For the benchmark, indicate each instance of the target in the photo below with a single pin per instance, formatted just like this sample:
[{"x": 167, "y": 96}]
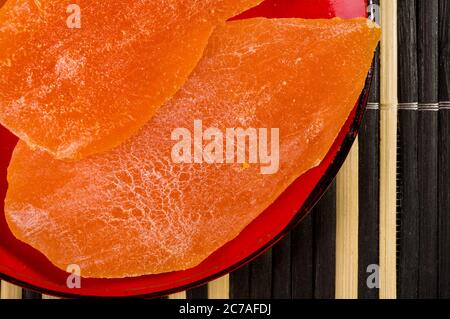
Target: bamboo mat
[{"x": 383, "y": 228}]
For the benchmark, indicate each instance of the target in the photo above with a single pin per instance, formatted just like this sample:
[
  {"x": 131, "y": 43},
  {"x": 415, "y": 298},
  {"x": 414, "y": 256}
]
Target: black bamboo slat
[
  {"x": 324, "y": 245},
  {"x": 369, "y": 155},
  {"x": 444, "y": 149},
  {"x": 281, "y": 269},
  {"x": 28, "y": 294},
  {"x": 302, "y": 260},
  {"x": 368, "y": 179},
  {"x": 428, "y": 146},
  {"x": 198, "y": 293},
  {"x": 240, "y": 283},
  {"x": 261, "y": 277},
  {"x": 408, "y": 263}
]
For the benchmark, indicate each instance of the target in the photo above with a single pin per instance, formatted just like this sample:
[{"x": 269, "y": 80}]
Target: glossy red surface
[{"x": 25, "y": 266}]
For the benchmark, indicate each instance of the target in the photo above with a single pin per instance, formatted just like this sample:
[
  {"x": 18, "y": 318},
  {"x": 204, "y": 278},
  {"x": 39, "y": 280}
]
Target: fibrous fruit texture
[
  {"x": 79, "y": 79},
  {"x": 136, "y": 210}
]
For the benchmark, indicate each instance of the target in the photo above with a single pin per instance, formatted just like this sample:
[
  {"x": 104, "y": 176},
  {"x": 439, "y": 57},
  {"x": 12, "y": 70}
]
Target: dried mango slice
[
  {"x": 79, "y": 79},
  {"x": 135, "y": 211}
]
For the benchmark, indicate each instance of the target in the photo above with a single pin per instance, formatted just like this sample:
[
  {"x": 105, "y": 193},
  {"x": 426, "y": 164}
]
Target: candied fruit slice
[
  {"x": 134, "y": 211},
  {"x": 80, "y": 80}
]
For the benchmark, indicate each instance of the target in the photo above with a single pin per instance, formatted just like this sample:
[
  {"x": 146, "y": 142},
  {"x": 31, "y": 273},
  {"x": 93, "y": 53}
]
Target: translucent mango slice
[
  {"x": 79, "y": 79},
  {"x": 136, "y": 211}
]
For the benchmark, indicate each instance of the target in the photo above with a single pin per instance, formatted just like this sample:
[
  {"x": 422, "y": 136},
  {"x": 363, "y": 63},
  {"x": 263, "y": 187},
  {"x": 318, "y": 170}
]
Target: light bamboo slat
[
  {"x": 49, "y": 297},
  {"x": 347, "y": 228},
  {"x": 220, "y": 288},
  {"x": 180, "y": 295},
  {"x": 388, "y": 148},
  {"x": 9, "y": 291}
]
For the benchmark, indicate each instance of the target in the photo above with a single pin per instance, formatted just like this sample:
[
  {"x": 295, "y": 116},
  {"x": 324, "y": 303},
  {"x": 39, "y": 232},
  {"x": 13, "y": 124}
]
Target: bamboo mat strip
[
  {"x": 368, "y": 180},
  {"x": 198, "y": 293},
  {"x": 28, "y": 294},
  {"x": 240, "y": 283},
  {"x": 219, "y": 288},
  {"x": 302, "y": 254},
  {"x": 9, "y": 291},
  {"x": 179, "y": 295},
  {"x": 48, "y": 297},
  {"x": 444, "y": 204},
  {"x": 281, "y": 269},
  {"x": 427, "y": 40},
  {"x": 408, "y": 188},
  {"x": 444, "y": 149},
  {"x": 369, "y": 157},
  {"x": 324, "y": 245},
  {"x": 347, "y": 228},
  {"x": 388, "y": 148},
  {"x": 261, "y": 277}
]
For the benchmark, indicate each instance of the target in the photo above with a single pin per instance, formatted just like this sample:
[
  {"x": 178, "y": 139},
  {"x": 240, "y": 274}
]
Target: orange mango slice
[
  {"x": 79, "y": 79},
  {"x": 137, "y": 210}
]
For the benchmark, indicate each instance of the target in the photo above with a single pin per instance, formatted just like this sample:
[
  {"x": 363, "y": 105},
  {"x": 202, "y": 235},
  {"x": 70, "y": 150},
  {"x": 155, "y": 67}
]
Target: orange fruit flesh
[
  {"x": 76, "y": 92},
  {"x": 133, "y": 211}
]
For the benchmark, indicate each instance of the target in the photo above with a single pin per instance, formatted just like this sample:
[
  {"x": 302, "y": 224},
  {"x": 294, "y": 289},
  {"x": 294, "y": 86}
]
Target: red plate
[{"x": 24, "y": 266}]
